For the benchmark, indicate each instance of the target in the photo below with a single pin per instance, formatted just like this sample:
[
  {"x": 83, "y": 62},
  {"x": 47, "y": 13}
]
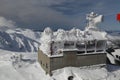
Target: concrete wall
[
  {"x": 56, "y": 63},
  {"x": 91, "y": 59},
  {"x": 44, "y": 60},
  {"x": 70, "y": 58}
]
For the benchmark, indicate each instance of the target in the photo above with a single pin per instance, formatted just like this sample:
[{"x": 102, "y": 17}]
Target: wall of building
[
  {"x": 70, "y": 58},
  {"x": 91, "y": 59},
  {"x": 44, "y": 60},
  {"x": 56, "y": 63}
]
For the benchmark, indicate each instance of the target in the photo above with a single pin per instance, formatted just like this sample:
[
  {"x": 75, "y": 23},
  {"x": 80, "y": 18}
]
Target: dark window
[
  {"x": 68, "y": 44},
  {"x": 91, "y": 42},
  {"x": 100, "y": 44},
  {"x": 117, "y": 56},
  {"x": 80, "y": 52},
  {"x": 90, "y": 51},
  {"x": 80, "y": 46},
  {"x": 99, "y": 50}
]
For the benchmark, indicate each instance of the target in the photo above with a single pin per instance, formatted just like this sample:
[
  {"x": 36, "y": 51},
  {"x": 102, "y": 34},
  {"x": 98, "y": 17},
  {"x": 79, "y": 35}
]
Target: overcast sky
[{"x": 38, "y": 14}]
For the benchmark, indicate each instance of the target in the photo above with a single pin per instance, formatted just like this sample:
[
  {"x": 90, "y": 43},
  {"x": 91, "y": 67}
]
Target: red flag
[{"x": 118, "y": 17}]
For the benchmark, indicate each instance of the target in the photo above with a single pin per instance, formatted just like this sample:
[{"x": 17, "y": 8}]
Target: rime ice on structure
[
  {"x": 91, "y": 40},
  {"x": 93, "y": 20}
]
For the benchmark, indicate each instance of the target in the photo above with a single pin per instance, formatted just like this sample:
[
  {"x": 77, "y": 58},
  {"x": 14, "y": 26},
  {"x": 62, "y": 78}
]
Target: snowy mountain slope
[
  {"x": 20, "y": 40},
  {"x": 33, "y": 71},
  {"x": 26, "y": 32}
]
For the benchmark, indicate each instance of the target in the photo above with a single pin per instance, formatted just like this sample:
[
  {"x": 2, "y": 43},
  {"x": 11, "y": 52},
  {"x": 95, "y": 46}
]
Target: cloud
[
  {"x": 73, "y": 7},
  {"x": 4, "y": 23},
  {"x": 38, "y": 14},
  {"x": 33, "y": 13}
]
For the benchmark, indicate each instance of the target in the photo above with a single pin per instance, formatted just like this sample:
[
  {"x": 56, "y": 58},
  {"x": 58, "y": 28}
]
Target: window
[
  {"x": 80, "y": 45},
  {"x": 90, "y": 45},
  {"x": 100, "y": 44},
  {"x": 117, "y": 56},
  {"x": 90, "y": 51},
  {"x": 80, "y": 52},
  {"x": 68, "y": 44},
  {"x": 99, "y": 50}
]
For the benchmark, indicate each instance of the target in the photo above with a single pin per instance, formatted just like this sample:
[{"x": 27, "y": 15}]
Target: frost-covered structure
[
  {"x": 73, "y": 47},
  {"x": 93, "y": 19},
  {"x": 90, "y": 40}
]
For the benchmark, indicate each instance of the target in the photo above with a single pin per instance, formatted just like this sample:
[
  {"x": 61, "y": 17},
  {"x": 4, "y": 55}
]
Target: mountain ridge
[{"x": 20, "y": 40}]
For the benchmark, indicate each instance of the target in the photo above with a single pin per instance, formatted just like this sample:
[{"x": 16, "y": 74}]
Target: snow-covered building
[{"x": 73, "y": 47}]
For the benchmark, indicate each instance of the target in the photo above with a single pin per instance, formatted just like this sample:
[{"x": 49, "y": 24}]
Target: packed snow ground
[{"x": 30, "y": 69}]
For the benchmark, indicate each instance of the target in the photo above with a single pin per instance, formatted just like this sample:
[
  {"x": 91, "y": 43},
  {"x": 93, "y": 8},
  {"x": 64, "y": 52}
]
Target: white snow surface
[{"x": 33, "y": 71}]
